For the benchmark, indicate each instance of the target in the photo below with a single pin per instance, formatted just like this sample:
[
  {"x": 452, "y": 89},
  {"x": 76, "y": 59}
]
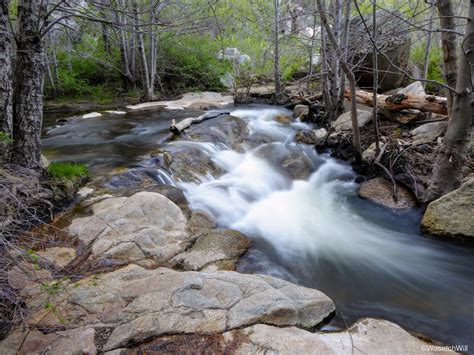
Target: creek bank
[
  {"x": 126, "y": 307},
  {"x": 133, "y": 295}
]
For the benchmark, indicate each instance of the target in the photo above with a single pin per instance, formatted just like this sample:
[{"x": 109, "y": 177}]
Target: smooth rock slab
[
  {"x": 213, "y": 247},
  {"x": 367, "y": 336},
  {"x": 140, "y": 303},
  {"x": 146, "y": 228},
  {"x": 452, "y": 214},
  {"x": 92, "y": 115},
  {"x": 58, "y": 256},
  {"x": 344, "y": 121},
  {"x": 74, "y": 341},
  {"x": 191, "y": 101},
  {"x": 428, "y": 132}
]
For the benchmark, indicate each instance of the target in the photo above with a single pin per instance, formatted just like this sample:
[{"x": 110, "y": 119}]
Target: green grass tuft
[
  {"x": 64, "y": 170},
  {"x": 6, "y": 137}
]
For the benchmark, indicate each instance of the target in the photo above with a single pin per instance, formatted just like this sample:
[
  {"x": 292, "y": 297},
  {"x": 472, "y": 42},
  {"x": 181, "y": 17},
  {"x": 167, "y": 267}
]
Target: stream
[{"x": 315, "y": 231}]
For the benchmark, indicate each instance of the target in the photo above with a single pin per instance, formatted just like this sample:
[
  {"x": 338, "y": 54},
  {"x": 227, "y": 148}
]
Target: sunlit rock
[{"x": 452, "y": 214}]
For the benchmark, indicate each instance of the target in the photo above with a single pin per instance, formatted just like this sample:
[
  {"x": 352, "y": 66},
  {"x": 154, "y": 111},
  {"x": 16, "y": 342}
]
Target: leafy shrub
[
  {"x": 65, "y": 170},
  {"x": 190, "y": 63},
  {"x": 6, "y": 138},
  {"x": 434, "y": 65}
]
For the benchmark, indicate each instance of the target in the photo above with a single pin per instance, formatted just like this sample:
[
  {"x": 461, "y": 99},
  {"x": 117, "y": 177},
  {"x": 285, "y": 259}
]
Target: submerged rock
[
  {"x": 452, "y": 214},
  {"x": 138, "y": 304},
  {"x": 190, "y": 164},
  {"x": 227, "y": 129},
  {"x": 301, "y": 112},
  {"x": 290, "y": 160},
  {"x": 380, "y": 191},
  {"x": 308, "y": 136}
]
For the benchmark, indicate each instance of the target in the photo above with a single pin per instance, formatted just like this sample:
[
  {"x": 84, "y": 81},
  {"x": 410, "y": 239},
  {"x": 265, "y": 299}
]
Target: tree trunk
[
  {"x": 153, "y": 47},
  {"x": 105, "y": 27},
  {"x": 350, "y": 77},
  {"x": 49, "y": 73},
  {"x": 128, "y": 77},
  {"x": 147, "y": 92},
  {"x": 29, "y": 72},
  {"x": 448, "y": 41},
  {"x": 6, "y": 89},
  {"x": 447, "y": 172},
  {"x": 397, "y": 102},
  {"x": 276, "y": 44}
]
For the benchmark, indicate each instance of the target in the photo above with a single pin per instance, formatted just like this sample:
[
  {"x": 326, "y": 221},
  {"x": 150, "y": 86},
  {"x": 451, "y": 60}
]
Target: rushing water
[{"x": 315, "y": 232}]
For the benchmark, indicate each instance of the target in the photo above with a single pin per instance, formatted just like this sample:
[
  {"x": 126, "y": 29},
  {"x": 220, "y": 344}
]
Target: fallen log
[
  {"x": 177, "y": 128},
  {"x": 397, "y": 102}
]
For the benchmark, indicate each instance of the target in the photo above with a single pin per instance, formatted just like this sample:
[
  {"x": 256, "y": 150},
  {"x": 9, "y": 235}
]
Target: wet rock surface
[{"x": 380, "y": 190}]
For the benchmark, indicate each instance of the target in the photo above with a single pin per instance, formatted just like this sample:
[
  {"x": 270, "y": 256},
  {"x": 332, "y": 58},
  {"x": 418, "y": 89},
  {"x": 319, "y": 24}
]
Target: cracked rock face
[
  {"x": 141, "y": 304},
  {"x": 211, "y": 250},
  {"x": 367, "y": 336},
  {"x": 146, "y": 228}
]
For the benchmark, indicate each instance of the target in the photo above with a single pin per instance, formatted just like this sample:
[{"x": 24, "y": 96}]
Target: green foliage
[
  {"x": 69, "y": 171},
  {"x": 435, "y": 61},
  {"x": 6, "y": 138},
  {"x": 85, "y": 78},
  {"x": 191, "y": 63}
]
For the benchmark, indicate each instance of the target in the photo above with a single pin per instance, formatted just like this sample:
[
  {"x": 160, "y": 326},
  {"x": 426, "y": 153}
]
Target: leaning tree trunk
[
  {"x": 448, "y": 40},
  {"x": 6, "y": 90},
  {"x": 29, "y": 72},
  {"x": 447, "y": 172}
]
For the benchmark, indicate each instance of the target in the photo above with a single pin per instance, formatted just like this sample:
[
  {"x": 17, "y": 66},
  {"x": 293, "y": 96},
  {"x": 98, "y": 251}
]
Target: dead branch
[
  {"x": 177, "y": 128},
  {"x": 397, "y": 102}
]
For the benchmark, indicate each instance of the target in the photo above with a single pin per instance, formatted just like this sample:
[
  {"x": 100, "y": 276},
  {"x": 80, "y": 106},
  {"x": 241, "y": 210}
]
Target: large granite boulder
[
  {"x": 452, "y": 214},
  {"x": 137, "y": 304},
  {"x": 393, "y": 39},
  {"x": 367, "y": 336}
]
